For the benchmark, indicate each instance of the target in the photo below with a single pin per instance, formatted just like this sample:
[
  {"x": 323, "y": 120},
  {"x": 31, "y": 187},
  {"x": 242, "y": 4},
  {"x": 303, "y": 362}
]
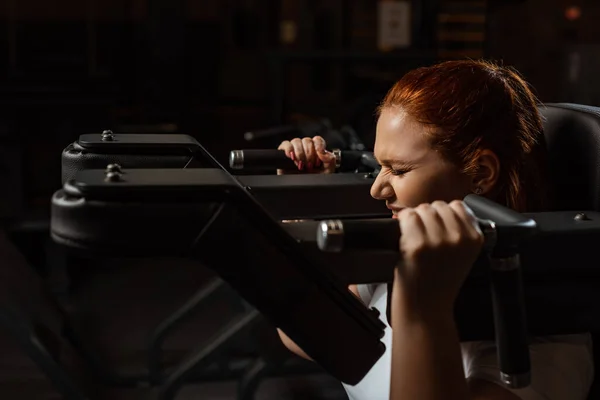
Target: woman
[{"x": 443, "y": 132}]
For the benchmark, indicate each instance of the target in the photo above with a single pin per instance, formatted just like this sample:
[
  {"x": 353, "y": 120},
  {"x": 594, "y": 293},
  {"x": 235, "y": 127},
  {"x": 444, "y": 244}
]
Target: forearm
[
  {"x": 426, "y": 356},
  {"x": 291, "y": 345}
]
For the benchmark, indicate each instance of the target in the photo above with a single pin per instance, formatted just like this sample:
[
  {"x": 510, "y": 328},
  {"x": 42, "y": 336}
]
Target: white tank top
[{"x": 562, "y": 366}]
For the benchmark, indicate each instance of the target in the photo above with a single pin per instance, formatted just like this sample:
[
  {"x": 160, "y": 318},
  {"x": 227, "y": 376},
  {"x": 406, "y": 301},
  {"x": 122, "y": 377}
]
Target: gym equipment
[
  {"x": 560, "y": 253},
  {"x": 91, "y": 207},
  {"x": 286, "y": 197},
  {"x": 181, "y": 151},
  {"x": 553, "y": 247},
  {"x": 131, "y": 150},
  {"x": 345, "y": 160},
  {"x": 140, "y": 150},
  {"x": 193, "y": 212}
]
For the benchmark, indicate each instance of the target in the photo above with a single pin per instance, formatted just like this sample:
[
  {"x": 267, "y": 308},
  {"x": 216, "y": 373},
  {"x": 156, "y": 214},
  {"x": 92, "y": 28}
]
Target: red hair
[{"x": 474, "y": 105}]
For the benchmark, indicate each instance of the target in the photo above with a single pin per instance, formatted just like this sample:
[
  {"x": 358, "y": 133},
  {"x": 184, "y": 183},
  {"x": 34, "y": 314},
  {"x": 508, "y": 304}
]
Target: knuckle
[
  {"x": 478, "y": 237},
  {"x": 454, "y": 238},
  {"x": 457, "y": 205},
  {"x": 428, "y": 210},
  {"x": 439, "y": 204},
  {"x": 319, "y": 141},
  {"x": 423, "y": 208}
]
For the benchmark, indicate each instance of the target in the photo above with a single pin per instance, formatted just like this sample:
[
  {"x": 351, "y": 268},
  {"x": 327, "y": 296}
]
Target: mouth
[{"x": 395, "y": 212}]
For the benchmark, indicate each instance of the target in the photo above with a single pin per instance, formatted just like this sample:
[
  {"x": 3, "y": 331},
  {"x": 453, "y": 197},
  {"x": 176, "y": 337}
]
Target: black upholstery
[
  {"x": 572, "y": 134},
  {"x": 573, "y": 138}
]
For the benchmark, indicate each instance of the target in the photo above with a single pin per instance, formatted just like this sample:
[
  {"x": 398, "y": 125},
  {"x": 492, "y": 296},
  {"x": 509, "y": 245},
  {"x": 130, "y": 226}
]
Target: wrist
[
  {"x": 415, "y": 311},
  {"x": 414, "y": 303}
]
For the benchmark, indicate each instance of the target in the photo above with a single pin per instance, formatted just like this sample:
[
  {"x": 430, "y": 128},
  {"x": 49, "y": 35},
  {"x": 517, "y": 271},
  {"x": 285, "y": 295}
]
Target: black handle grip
[
  {"x": 510, "y": 322},
  {"x": 368, "y": 160},
  {"x": 513, "y": 228},
  {"x": 264, "y": 159},
  {"x": 335, "y": 235}
]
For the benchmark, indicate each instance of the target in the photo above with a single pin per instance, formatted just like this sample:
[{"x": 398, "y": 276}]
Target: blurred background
[{"x": 215, "y": 69}]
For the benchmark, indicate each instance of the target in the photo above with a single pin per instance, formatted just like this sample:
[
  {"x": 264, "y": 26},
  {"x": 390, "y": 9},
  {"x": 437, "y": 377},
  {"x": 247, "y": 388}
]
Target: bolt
[
  {"x": 113, "y": 177},
  {"x": 581, "y": 217},
  {"x": 113, "y": 168},
  {"x": 107, "y": 136}
]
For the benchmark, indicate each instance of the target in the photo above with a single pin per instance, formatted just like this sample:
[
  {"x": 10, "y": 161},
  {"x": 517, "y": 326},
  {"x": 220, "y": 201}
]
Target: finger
[
  {"x": 411, "y": 225},
  {"x": 324, "y": 156},
  {"x": 327, "y": 159},
  {"x": 288, "y": 149},
  {"x": 320, "y": 144},
  {"x": 433, "y": 223},
  {"x": 452, "y": 224},
  {"x": 320, "y": 149},
  {"x": 467, "y": 219},
  {"x": 299, "y": 153},
  {"x": 309, "y": 152}
]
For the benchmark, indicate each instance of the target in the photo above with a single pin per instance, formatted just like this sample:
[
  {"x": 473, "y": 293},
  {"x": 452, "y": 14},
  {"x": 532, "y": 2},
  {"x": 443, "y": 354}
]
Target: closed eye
[
  {"x": 395, "y": 167},
  {"x": 398, "y": 171}
]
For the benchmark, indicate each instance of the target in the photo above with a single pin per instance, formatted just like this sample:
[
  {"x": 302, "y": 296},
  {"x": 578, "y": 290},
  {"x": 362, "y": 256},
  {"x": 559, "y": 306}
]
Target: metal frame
[
  {"x": 21, "y": 330},
  {"x": 235, "y": 201},
  {"x": 156, "y": 374},
  {"x": 207, "y": 354}
]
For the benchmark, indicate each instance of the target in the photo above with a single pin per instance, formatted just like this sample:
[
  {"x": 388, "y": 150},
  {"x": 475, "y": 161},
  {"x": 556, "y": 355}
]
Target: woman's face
[{"x": 412, "y": 172}]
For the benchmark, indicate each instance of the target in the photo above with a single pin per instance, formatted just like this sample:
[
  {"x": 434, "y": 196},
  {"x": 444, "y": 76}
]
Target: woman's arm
[
  {"x": 291, "y": 345},
  {"x": 426, "y": 357},
  {"x": 439, "y": 244},
  {"x": 427, "y": 361}
]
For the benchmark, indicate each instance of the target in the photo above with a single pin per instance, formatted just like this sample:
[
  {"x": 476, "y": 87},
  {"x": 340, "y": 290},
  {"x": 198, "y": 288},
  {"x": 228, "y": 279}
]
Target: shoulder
[{"x": 562, "y": 366}]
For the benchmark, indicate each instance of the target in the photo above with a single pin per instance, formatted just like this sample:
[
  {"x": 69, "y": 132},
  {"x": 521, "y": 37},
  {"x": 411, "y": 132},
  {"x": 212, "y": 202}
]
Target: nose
[{"x": 381, "y": 188}]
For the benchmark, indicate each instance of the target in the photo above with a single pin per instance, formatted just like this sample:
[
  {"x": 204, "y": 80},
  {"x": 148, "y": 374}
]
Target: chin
[{"x": 395, "y": 216}]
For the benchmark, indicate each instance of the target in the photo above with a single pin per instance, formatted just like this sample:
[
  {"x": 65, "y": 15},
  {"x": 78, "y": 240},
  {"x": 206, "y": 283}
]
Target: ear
[{"x": 488, "y": 172}]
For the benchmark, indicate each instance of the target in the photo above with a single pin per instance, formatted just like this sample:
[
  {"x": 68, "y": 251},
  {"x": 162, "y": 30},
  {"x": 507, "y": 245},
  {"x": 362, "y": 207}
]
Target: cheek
[
  {"x": 411, "y": 191},
  {"x": 448, "y": 186},
  {"x": 414, "y": 189}
]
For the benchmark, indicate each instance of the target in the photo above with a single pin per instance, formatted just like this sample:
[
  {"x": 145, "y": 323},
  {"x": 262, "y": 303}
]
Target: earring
[{"x": 478, "y": 190}]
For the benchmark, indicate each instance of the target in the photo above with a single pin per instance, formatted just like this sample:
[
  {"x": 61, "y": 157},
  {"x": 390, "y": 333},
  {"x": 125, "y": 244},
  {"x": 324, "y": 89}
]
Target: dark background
[{"x": 213, "y": 68}]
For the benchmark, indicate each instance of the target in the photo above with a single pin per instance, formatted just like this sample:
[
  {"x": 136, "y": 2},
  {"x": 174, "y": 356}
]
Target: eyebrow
[{"x": 396, "y": 163}]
